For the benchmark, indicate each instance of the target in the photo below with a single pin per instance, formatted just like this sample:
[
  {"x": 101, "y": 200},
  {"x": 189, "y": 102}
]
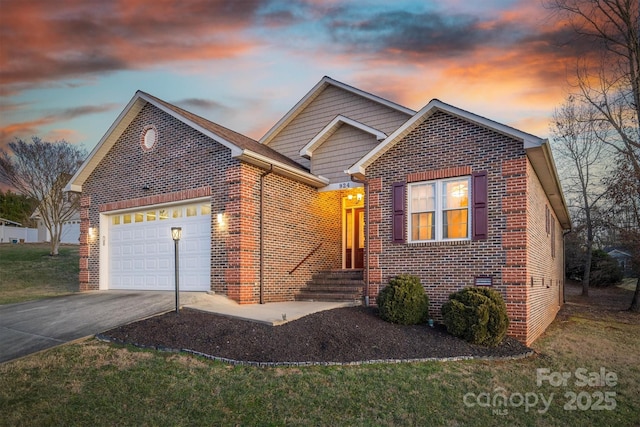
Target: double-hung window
[{"x": 440, "y": 210}]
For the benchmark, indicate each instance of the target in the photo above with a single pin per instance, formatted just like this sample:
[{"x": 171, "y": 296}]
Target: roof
[
  {"x": 242, "y": 147},
  {"x": 5, "y": 221},
  {"x": 313, "y": 94},
  {"x": 537, "y": 150}
]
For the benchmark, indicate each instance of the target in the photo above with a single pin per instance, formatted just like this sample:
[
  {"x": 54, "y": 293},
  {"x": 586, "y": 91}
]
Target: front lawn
[
  {"x": 27, "y": 272},
  {"x": 94, "y": 383}
]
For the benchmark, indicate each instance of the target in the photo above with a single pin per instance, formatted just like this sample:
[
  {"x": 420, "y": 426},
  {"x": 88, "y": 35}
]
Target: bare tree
[
  {"x": 41, "y": 170},
  {"x": 608, "y": 79},
  {"x": 624, "y": 195},
  {"x": 581, "y": 158}
]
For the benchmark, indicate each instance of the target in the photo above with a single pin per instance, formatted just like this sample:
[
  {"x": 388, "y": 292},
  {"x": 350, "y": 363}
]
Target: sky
[{"x": 69, "y": 67}]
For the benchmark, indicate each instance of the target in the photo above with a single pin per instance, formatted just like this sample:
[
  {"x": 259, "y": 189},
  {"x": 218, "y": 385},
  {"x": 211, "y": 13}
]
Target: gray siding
[
  {"x": 331, "y": 102},
  {"x": 338, "y": 153}
]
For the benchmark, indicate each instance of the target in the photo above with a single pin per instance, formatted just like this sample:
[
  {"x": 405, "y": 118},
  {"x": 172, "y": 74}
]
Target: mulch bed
[{"x": 343, "y": 335}]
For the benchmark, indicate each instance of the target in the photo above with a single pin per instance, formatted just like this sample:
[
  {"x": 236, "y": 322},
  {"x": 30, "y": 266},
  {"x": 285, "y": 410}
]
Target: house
[
  {"x": 346, "y": 182},
  {"x": 623, "y": 258},
  {"x": 70, "y": 229},
  {"x": 63, "y": 214}
]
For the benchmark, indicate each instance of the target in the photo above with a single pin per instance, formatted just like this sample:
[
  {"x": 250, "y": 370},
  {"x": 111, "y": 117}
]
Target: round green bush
[
  {"x": 477, "y": 315},
  {"x": 404, "y": 301}
]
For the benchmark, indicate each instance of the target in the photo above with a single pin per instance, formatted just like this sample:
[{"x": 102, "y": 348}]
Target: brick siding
[
  {"x": 445, "y": 146},
  {"x": 186, "y": 165}
]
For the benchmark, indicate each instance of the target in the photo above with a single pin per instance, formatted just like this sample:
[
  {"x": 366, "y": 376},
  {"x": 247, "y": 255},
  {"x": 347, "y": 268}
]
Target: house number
[{"x": 343, "y": 185}]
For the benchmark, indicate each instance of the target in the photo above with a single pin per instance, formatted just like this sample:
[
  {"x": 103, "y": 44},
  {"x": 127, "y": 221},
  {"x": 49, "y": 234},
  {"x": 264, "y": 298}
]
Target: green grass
[
  {"x": 27, "y": 272},
  {"x": 94, "y": 383}
]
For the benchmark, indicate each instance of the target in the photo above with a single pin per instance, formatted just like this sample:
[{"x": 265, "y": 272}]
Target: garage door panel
[{"x": 142, "y": 253}]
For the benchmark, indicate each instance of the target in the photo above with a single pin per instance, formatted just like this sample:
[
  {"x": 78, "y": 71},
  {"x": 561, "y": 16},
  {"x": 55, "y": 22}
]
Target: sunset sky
[{"x": 69, "y": 67}]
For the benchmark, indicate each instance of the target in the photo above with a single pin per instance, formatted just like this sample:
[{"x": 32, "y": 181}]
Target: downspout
[
  {"x": 262, "y": 232},
  {"x": 366, "y": 240}
]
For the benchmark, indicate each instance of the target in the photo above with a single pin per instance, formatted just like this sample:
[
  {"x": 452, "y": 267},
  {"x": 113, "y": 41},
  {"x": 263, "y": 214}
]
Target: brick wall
[
  {"x": 545, "y": 259},
  {"x": 179, "y": 167},
  {"x": 445, "y": 146},
  {"x": 185, "y": 165}
]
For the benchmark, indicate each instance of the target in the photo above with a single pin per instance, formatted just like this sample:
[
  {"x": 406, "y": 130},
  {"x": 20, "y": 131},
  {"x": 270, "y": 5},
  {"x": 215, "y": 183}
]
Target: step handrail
[{"x": 306, "y": 258}]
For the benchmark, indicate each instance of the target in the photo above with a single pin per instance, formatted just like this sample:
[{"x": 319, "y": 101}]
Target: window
[
  {"x": 439, "y": 210},
  {"x": 163, "y": 214}
]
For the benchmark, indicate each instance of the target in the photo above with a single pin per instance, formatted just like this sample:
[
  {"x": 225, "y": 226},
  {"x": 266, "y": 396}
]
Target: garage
[{"x": 141, "y": 251}]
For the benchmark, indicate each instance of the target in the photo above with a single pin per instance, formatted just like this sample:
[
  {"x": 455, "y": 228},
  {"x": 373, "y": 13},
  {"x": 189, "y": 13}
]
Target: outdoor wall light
[
  {"x": 92, "y": 234},
  {"x": 176, "y": 234},
  {"x": 220, "y": 218},
  {"x": 359, "y": 196}
]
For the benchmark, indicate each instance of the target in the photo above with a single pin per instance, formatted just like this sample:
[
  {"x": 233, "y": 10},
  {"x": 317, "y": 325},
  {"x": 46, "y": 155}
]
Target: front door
[{"x": 354, "y": 237}]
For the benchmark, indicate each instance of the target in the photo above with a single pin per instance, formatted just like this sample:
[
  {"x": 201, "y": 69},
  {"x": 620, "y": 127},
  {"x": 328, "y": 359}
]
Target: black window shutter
[
  {"x": 398, "y": 212},
  {"x": 479, "y": 209}
]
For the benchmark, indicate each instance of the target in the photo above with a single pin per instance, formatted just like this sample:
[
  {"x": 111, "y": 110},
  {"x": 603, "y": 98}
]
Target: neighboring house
[
  {"x": 623, "y": 258},
  {"x": 346, "y": 180},
  {"x": 14, "y": 232},
  {"x": 70, "y": 229}
]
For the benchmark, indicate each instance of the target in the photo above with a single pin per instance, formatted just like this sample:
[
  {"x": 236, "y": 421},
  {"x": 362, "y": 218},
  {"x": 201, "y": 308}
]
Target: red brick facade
[
  {"x": 271, "y": 233},
  {"x": 517, "y": 249},
  {"x": 185, "y": 165}
]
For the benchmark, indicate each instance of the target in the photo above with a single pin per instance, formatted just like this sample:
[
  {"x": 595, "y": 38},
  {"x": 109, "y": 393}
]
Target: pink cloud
[{"x": 43, "y": 40}]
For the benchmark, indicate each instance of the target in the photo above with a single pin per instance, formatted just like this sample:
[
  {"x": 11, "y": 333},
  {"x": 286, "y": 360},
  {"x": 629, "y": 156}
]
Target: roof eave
[
  {"x": 541, "y": 160},
  {"x": 279, "y": 168}
]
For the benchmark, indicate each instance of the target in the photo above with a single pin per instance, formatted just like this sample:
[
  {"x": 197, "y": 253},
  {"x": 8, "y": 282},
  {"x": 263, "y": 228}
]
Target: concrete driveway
[{"x": 32, "y": 326}]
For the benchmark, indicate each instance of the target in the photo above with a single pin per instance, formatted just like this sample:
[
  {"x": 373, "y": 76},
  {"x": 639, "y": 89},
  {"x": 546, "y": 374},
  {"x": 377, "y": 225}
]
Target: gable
[
  {"x": 536, "y": 149},
  {"x": 328, "y": 100},
  {"x": 346, "y": 145},
  {"x": 242, "y": 147}
]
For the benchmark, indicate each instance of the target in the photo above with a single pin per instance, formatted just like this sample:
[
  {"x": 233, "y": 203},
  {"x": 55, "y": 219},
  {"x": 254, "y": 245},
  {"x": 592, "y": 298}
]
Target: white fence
[{"x": 10, "y": 234}]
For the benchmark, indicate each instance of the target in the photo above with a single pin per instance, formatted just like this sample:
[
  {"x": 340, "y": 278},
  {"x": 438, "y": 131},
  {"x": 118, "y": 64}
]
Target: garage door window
[{"x": 161, "y": 214}]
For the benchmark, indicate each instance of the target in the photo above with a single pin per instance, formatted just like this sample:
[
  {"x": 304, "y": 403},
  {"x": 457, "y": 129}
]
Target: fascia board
[{"x": 103, "y": 146}]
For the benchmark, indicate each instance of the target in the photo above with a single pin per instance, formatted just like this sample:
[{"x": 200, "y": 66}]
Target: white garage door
[{"x": 141, "y": 251}]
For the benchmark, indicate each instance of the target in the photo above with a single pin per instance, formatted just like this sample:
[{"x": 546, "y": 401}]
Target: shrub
[
  {"x": 477, "y": 315},
  {"x": 404, "y": 301},
  {"x": 605, "y": 270}
]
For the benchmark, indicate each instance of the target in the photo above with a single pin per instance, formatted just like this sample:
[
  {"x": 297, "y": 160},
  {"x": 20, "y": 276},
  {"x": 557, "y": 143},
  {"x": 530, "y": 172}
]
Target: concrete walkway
[
  {"x": 32, "y": 326},
  {"x": 275, "y": 313}
]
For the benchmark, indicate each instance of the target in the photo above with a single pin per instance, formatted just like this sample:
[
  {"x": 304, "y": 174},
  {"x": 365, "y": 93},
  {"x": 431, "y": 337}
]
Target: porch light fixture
[{"x": 176, "y": 234}]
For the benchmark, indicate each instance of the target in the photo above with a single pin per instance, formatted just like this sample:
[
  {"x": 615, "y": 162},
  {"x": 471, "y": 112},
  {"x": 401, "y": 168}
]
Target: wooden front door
[{"x": 354, "y": 238}]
